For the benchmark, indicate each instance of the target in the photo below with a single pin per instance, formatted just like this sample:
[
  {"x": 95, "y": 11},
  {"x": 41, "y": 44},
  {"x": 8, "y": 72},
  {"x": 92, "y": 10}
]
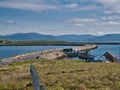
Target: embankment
[
  {"x": 41, "y": 55},
  {"x": 46, "y": 54}
]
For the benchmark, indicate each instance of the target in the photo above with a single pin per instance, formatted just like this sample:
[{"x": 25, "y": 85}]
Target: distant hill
[
  {"x": 69, "y": 37},
  {"x": 107, "y": 37},
  {"x": 36, "y": 36},
  {"x": 28, "y": 36},
  {"x": 75, "y": 38}
]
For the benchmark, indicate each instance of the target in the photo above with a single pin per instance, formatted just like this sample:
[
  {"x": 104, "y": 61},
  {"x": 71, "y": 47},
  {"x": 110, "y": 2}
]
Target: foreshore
[{"x": 42, "y": 55}]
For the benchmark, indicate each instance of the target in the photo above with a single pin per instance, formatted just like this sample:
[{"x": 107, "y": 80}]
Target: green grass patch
[{"x": 61, "y": 75}]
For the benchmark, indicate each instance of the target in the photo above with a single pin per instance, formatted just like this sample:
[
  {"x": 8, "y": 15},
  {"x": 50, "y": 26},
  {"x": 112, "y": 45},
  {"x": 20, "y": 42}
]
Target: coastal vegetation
[
  {"x": 5, "y": 42},
  {"x": 61, "y": 75},
  {"x": 36, "y": 43}
]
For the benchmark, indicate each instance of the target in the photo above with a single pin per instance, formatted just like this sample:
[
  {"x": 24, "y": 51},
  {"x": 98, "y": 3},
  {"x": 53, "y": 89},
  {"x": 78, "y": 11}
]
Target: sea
[{"x": 10, "y": 51}]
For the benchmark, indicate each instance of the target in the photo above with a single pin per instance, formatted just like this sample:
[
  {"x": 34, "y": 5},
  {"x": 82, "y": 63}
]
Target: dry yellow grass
[{"x": 62, "y": 75}]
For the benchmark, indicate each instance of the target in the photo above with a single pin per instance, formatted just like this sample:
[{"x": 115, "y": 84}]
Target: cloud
[
  {"x": 108, "y": 23},
  {"x": 76, "y": 20},
  {"x": 87, "y": 8},
  {"x": 44, "y": 5},
  {"x": 112, "y": 17},
  {"x": 7, "y": 21},
  {"x": 28, "y": 6},
  {"x": 98, "y": 33},
  {"x": 82, "y": 22},
  {"x": 113, "y": 20},
  {"x": 73, "y": 5},
  {"x": 78, "y": 25},
  {"x": 111, "y": 6}
]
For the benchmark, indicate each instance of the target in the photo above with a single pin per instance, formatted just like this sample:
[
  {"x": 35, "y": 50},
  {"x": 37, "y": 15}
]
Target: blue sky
[{"x": 58, "y": 17}]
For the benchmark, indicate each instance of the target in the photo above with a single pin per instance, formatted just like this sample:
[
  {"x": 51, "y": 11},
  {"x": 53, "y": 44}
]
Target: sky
[{"x": 58, "y": 17}]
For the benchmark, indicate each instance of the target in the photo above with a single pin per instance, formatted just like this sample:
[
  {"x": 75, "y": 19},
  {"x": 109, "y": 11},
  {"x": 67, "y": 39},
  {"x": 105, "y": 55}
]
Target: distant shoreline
[
  {"x": 54, "y": 43},
  {"x": 99, "y": 43}
]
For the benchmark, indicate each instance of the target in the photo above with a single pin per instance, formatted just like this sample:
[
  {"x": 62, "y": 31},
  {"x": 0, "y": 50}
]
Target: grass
[{"x": 62, "y": 75}]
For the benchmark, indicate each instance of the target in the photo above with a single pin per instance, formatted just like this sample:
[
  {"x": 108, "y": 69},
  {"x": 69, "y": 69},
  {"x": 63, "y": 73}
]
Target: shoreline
[
  {"x": 40, "y": 55},
  {"x": 45, "y": 54}
]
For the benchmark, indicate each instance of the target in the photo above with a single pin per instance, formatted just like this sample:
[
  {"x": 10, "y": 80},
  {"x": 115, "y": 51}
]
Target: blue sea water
[
  {"x": 115, "y": 49},
  {"x": 10, "y": 51}
]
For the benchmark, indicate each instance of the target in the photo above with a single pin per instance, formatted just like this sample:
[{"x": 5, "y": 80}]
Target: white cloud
[
  {"x": 78, "y": 25},
  {"x": 111, "y": 6},
  {"x": 82, "y": 22},
  {"x": 73, "y": 5},
  {"x": 43, "y": 5},
  {"x": 112, "y": 17},
  {"x": 98, "y": 33},
  {"x": 7, "y": 21},
  {"x": 28, "y": 6},
  {"x": 109, "y": 23},
  {"x": 113, "y": 20},
  {"x": 77, "y": 20},
  {"x": 88, "y": 7}
]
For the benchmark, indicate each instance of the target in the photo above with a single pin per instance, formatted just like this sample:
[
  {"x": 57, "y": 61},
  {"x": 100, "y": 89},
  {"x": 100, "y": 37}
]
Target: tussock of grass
[{"x": 62, "y": 75}]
